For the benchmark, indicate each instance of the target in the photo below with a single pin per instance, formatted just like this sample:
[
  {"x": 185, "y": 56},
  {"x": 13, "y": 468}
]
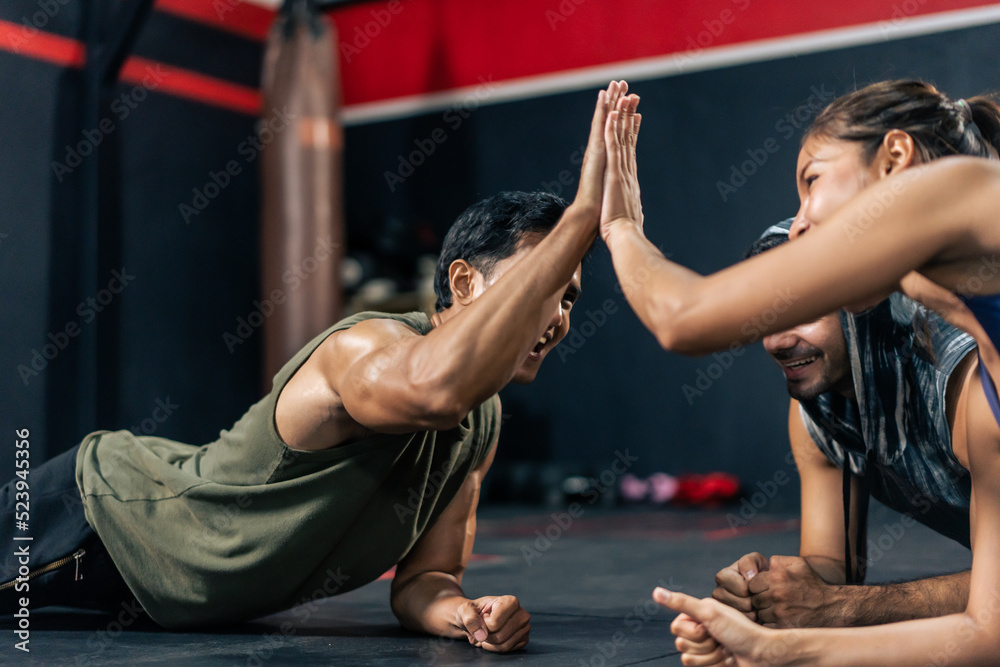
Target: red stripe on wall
[
  {"x": 153, "y": 75},
  {"x": 30, "y": 42},
  {"x": 236, "y": 16},
  {"x": 408, "y": 47},
  {"x": 191, "y": 85}
]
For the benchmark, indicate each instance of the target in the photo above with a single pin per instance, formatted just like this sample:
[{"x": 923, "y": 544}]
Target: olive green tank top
[{"x": 245, "y": 526}]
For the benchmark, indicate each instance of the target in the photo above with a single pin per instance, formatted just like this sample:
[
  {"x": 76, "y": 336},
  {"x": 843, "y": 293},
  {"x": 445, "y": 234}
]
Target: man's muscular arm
[
  {"x": 796, "y": 597},
  {"x": 906, "y": 600},
  {"x": 809, "y": 591},
  {"x": 399, "y": 382}
]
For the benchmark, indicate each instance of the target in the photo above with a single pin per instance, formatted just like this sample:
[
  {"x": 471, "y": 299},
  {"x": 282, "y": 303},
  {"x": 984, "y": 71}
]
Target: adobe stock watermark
[
  {"x": 293, "y": 278},
  {"x": 634, "y": 621},
  {"x": 562, "y": 12},
  {"x": 121, "y": 107},
  {"x": 222, "y": 520},
  {"x": 642, "y": 274},
  {"x": 893, "y": 531},
  {"x": 223, "y": 7},
  {"x": 47, "y": 10},
  {"x": 129, "y": 613},
  {"x": 454, "y": 117},
  {"x": 981, "y": 621},
  {"x": 364, "y": 34},
  {"x": 779, "y": 647},
  {"x": 901, "y": 14},
  {"x": 786, "y": 127},
  {"x": 431, "y": 488},
  {"x": 59, "y": 340},
  {"x": 162, "y": 411},
  {"x": 754, "y": 330},
  {"x": 433, "y": 648},
  {"x": 332, "y": 584},
  {"x": 248, "y": 150},
  {"x": 989, "y": 267},
  {"x": 567, "y": 177},
  {"x": 765, "y": 493},
  {"x": 714, "y": 27},
  {"x": 578, "y": 336},
  {"x": 563, "y": 521},
  {"x": 874, "y": 210},
  {"x": 595, "y": 319}
]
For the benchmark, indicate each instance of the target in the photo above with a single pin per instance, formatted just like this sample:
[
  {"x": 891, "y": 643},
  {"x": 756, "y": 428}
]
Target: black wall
[{"x": 161, "y": 351}]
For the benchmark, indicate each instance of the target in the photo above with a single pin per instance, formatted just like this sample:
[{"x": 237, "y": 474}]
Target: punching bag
[{"x": 302, "y": 237}]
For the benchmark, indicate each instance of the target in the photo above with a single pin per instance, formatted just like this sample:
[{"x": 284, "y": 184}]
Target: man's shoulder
[
  {"x": 370, "y": 320},
  {"x": 374, "y": 329},
  {"x": 353, "y": 338}
]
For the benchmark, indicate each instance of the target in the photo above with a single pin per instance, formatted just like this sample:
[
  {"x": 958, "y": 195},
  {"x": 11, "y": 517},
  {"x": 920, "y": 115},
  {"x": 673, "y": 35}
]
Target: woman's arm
[
  {"x": 933, "y": 217},
  {"x": 968, "y": 638}
]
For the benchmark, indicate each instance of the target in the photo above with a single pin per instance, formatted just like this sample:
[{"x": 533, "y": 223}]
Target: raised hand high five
[
  {"x": 591, "y": 189},
  {"x": 621, "y": 203}
]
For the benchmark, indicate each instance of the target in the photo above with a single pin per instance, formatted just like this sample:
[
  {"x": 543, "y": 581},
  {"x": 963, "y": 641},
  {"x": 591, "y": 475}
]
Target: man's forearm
[
  {"x": 494, "y": 335},
  {"x": 829, "y": 570},
  {"x": 654, "y": 287},
  {"x": 426, "y": 602},
  {"x": 903, "y": 601},
  {"x": 477, "y": 353}
]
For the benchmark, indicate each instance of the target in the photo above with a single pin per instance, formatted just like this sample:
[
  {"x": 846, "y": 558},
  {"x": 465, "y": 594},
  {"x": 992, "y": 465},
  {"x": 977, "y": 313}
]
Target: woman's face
[{"x": 829, "y": 173}]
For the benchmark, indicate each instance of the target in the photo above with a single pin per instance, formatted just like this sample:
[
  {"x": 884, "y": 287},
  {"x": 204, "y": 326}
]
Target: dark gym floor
[{"x": 587, "y": 586}]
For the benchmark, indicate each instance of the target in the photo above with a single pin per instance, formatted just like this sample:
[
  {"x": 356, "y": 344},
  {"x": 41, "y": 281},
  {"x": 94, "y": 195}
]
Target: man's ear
[
  {"x": 896, "y": 152},
  {"x": 463, "y": 277}
]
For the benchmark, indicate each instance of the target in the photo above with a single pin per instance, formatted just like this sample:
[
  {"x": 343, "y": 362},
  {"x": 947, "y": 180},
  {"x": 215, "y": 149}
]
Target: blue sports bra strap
[{"x": 990, "y": 390}]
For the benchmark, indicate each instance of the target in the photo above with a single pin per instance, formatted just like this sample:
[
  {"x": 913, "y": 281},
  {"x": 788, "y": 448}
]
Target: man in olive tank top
[{"x": 368, "y": 452}]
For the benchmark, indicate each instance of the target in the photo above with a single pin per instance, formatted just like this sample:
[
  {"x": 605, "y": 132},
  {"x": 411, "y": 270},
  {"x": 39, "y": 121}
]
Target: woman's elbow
[
  {"x": 981, "y": 627},
  {"x": 668, "y": 325}
]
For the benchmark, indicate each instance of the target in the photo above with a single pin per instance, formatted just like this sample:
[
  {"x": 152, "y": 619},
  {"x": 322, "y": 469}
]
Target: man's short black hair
[
  {"x": 765, "y": 243},
  {"x": 489, "y": 231}
]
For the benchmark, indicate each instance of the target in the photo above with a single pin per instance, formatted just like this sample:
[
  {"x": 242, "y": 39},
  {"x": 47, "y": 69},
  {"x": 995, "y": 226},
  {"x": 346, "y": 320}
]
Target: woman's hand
[
  {"x": 621, "y": 203},
  {"x": 711, "y": 633},
  {"x": 592, "y": 172},
  {"x": 697, "y": 646}
]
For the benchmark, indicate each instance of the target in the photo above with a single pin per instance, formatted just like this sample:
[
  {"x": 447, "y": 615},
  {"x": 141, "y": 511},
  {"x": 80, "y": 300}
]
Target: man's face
[
  {"x": 813, "y": 357},
  {"x": 559, "y": 306}
]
